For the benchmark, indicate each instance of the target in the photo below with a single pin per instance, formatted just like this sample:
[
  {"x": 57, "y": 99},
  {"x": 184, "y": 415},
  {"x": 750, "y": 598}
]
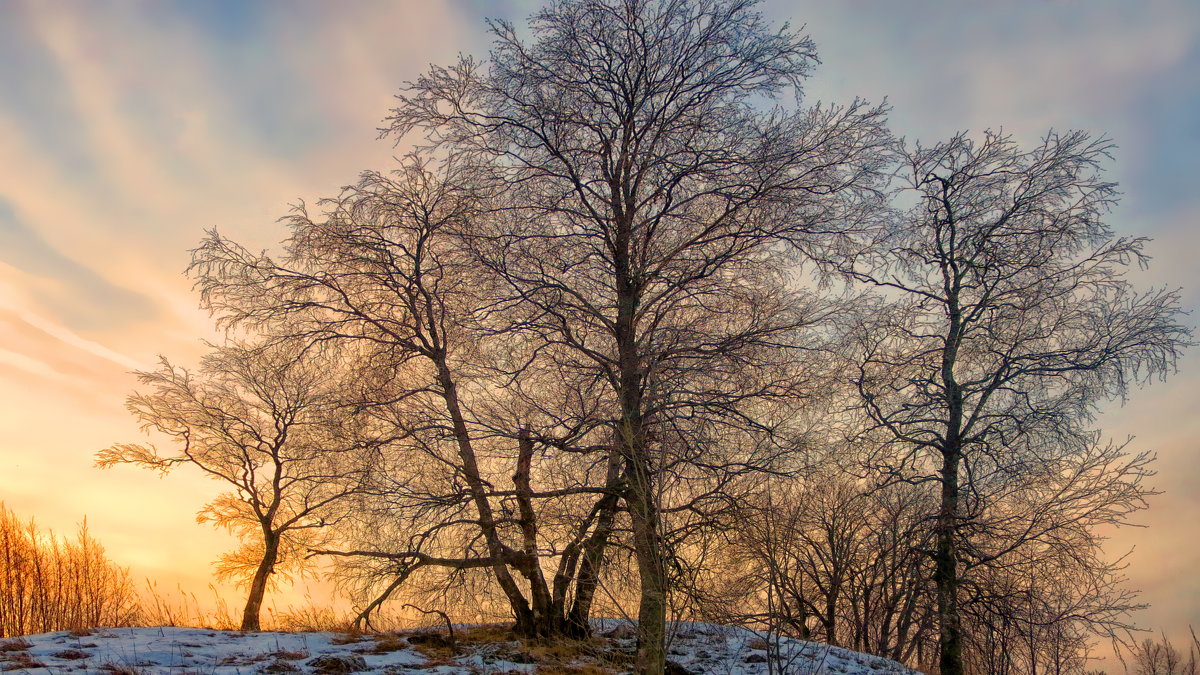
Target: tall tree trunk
[
  {"x": 945, "y": 558},
  {"x": 639, "y": 492},
  {"x": 487, "y": 520},
  {"x": 652, "y": 612},
  {"x": 258, "y": 586},
  {"x": 543, "y": 621},
  {"x": 945, "y": 572}
]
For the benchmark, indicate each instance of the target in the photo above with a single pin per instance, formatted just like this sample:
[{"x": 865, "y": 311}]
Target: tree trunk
[
  {"x": 593, "y": 553},
  {"x": 487, "y": 520},
  {"x": 829, "y": 619},
  {"x": 543, "y": 621},
  {"x": 652, "y": 613},
  {"x": 258, "y": 587},
  {"x": 639, "y": 470},
  {"x": 945, "y": 572},
  {"x": 643, "y": 508},
  {"x": 945, "y": 557}
]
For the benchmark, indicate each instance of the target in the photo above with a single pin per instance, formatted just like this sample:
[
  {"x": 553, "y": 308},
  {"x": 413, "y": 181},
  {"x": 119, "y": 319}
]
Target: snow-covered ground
[{"x": 697, "y": 648}]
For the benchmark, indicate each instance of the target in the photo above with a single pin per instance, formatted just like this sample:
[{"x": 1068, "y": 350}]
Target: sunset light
[{"x": 155, "y": 156}]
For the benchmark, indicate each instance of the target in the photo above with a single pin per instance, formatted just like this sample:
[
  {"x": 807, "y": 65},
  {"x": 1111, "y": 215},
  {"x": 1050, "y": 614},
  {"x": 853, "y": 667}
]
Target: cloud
[
  {"x": 77, "y": 366},
  {"x": 68, "y": 337},
  {"x": 29, "y": 365},
  {"x": 65, "y": 287},
  {"x": 126, "y": 130},
  {"x": 1026, "y": 65}
]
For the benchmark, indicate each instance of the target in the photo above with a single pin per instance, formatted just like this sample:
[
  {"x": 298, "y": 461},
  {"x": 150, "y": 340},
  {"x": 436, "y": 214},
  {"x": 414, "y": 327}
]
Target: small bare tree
[
  {"x": 840, "y": 559},
  {"x": 1161, "y": 657},
  {"x": 269, "y": 422}
]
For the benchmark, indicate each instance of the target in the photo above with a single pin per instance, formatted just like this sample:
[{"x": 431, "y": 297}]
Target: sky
[{"x": 128, "y": 128}]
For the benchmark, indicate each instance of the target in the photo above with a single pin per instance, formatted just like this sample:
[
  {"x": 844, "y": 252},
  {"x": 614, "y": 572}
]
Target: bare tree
[
  {"x": 840, "y": 559},
  {"x": 389, "y": 268},
  {"x": 269, "y": 422},
  {"x": 1013, "y": 320},
  {"x": 1161, "y": 657},
  {"x": 647, "y": 185}
]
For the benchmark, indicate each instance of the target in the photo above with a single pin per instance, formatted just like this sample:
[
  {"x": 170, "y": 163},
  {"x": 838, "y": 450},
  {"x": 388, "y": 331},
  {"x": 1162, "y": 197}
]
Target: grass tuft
[{"x": 14, "y": 645}]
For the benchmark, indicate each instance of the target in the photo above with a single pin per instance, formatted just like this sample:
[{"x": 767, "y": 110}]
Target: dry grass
[
  {"x": 488, "y": 632},
  {"x": 337, "y": 665},
  {"x": 386, "y": 643},
  {"x": 14, "y": 645},
  {"x": 563, "y": 650},
  {"x": 309, "y": 618},
  {"x": 552, "y": 656},
  {"x": 587, "y": 669},
  {"x": 437, "y": 647},
  {"x": 20, "y": 660},
  {"x": 435, "y": 650},
  {"x": 120, "y": 669},
  {"x": 347, "y": 638},
  {"x": 434, "y": 663},
  {"x": 243, "y": 659},
  {"x": 181, "y": 608}
]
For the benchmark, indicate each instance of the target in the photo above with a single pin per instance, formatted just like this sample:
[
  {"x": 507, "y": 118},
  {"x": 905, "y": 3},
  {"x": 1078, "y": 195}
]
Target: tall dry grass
[{"x": 50, "y": 583}]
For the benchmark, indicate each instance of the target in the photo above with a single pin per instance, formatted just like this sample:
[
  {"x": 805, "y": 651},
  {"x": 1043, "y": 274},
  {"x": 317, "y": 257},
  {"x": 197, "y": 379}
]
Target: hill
[{"x": 695, "y": 648}]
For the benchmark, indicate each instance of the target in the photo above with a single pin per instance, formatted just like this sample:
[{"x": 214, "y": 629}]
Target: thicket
[{"x": 50, "y": 583}]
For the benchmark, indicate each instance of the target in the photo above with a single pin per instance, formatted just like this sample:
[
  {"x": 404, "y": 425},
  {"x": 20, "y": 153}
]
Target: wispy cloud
[
  {"x": 126, "y": 130},
  {"x": 68, "y": 337}
]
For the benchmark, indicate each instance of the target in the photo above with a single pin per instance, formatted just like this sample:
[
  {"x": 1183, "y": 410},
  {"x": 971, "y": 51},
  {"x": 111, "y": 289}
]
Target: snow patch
[{"x": 693, "y": 647}]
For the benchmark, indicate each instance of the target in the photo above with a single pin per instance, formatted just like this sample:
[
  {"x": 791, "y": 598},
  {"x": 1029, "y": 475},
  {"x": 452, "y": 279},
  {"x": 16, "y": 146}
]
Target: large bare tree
[
  {"x": 486, "y": 448},
  {"x": 656, "y": 201},
  {"x": 1013, "y": 319}
]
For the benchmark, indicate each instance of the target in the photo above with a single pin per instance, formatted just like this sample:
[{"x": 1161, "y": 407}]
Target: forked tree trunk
[
  {"x": 543, "y": 622},
  {"x": 588, "y": 578}
]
